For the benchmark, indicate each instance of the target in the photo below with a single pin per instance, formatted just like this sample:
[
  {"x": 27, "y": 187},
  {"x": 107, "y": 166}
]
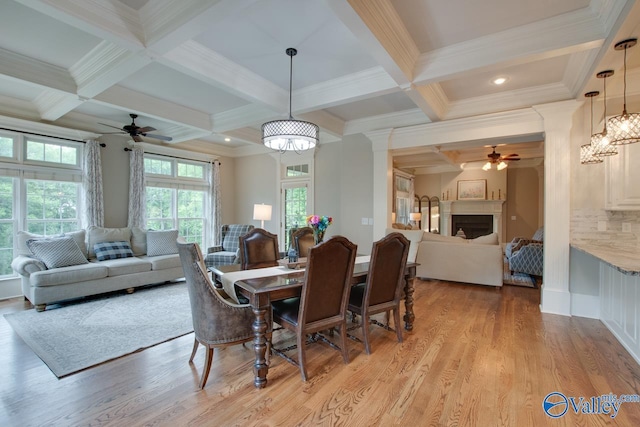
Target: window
[
  {"x": 296, "y": 196},
  {"x": 40, "y": 189},
  {"x": 177, "y": 194}
]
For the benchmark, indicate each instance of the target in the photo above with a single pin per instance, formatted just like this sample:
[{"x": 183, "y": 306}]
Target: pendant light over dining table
[{"x": 290, "y": 134}]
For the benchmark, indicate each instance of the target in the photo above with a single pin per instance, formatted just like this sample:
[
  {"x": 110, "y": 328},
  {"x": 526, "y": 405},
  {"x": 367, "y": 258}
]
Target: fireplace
[
  {"x": 472, "y": 225},
  {"x": 471, "y": 208}
]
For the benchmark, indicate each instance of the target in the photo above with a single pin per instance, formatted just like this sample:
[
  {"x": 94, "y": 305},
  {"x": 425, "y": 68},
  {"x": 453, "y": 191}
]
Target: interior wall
[
  {"x": 115, "y": 180},
  {"x": 254, "y": 181},
  {"x": 522, "y": 215},
  {"x": 496, "y": 182}
]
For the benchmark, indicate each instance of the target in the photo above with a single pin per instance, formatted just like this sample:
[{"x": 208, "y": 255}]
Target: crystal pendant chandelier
[
  {"x": 601, "y": 142},
  {"x": 290, "y": 134},
  {"x": 625, "y": 128},
  {"x": 587, "y": 157}
]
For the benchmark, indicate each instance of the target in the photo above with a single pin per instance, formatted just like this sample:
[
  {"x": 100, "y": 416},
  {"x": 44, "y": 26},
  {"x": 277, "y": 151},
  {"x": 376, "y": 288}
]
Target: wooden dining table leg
[
  {"x": 260, "y": 305},
  {"x": 409, "y": 317}
]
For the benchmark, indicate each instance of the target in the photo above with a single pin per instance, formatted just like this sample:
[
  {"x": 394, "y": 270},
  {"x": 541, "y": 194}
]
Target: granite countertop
[{"x": 625, "y": 260}]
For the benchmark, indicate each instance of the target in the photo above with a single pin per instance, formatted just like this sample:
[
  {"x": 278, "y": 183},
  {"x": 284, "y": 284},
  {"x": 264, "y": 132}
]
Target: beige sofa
[
  {"x": 477, "y": 261},
  {"x": 153, "y": 259}
]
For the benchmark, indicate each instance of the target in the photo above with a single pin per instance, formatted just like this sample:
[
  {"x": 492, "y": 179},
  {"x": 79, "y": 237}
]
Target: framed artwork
[{"x": 475, "y": 189}]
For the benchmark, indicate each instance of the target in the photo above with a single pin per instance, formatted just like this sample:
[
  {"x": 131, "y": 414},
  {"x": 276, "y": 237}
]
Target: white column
[
  {"x": 382, "y": 181},
  {"x": 558, "y": 120}
]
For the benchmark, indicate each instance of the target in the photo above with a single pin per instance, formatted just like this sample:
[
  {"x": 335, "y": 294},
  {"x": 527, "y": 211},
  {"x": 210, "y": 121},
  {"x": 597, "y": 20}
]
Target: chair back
[
  {"x": 230, "y": 234},
  {"x": 258, "y": 249},
  {"x": 214, "y": 320},
  {"x": 327, "y": 281},
  {"x": 386, "y": 270},
  {"x": 302, "y": 240}
]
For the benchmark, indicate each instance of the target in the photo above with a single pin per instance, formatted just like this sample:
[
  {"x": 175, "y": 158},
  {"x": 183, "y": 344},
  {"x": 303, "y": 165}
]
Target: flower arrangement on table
[{"x": 319, "y": 225}]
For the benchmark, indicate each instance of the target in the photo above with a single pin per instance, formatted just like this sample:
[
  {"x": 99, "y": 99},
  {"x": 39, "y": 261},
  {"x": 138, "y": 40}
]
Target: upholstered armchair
[
  {"x": 229, "y": 251},
  {"x": 526, "y": 255}
]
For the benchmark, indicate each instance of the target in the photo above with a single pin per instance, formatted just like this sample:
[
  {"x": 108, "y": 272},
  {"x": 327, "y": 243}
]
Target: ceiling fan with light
[
  {"x": 499, "y": 159},
  {"x": 136, "y": 132}
]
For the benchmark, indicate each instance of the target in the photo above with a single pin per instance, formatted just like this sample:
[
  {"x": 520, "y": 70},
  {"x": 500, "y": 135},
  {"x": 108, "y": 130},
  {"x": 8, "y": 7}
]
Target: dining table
[{"x": 263, "y": 285}]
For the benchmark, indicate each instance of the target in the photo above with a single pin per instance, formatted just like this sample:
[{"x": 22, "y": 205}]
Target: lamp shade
[
  {"x": 262, "y": 212},
  {"x": 415, "y": 216}
]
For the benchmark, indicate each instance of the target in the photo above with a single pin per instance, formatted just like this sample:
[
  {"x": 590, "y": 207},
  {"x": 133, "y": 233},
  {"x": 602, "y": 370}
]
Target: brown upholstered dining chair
[
  {"x": 216, "y": 322},
  {"x": 323, "y": 301},
  {"x": 258, "y": 249},
  {"x": 384, "y": 286},
  {"x": 302, "y": 240}
]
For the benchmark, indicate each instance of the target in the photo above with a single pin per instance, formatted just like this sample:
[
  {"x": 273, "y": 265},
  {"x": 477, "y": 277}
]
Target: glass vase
[{"x": 318, "y": 236}]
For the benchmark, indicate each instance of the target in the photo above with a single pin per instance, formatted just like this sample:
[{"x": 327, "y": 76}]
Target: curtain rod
[
  {"x": 102, "y": 144},
  {"x": 173, "y": 157}
]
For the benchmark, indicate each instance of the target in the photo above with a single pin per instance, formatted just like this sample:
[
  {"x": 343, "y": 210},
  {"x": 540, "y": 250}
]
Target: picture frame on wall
[{"x": 474, "y": 189}]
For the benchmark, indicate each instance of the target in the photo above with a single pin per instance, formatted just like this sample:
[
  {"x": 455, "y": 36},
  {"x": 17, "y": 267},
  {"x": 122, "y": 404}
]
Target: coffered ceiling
[{"x": 202, "y": 71}]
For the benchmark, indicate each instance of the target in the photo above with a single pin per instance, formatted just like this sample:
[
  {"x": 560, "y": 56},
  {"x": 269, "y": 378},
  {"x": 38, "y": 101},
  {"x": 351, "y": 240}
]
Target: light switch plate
[
  {"x": 626, "y": 227},
  {"x": 364, "y": 221},
  {"x": 370, "y": 221},
  {"x": 513, "y": 217},
  {"x": 602, "y": 225}
]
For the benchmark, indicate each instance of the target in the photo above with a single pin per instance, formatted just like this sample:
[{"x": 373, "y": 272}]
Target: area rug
[
  {"x": 85, "y": 333},
  {"x": 518, "y": 279}
]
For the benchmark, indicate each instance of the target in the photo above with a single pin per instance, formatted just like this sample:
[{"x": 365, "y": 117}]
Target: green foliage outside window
[
  {"x": 54, "y": 153},
  {"x": 6, "y": 225},
  {"x": 52, "y": 207},
  {"x": 6, "y": 147}
]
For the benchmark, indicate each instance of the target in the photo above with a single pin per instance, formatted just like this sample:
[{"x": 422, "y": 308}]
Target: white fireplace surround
[{"x": 471, "y": 207}]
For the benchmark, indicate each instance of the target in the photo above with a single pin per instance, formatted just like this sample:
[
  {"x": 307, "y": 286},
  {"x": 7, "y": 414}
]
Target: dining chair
[
  {"x": 323, "y": 301},
  {"x": 216, "y": 322},
  {"x": 383, "y": 288},
  {"x": 302, "y": 240},
  {"x": 258, "y": 249}
]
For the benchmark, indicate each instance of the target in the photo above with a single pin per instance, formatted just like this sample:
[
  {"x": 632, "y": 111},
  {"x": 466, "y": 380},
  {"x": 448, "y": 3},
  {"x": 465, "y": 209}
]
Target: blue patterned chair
[
  {"x": 526, "y": 255},
  {"x": 229, "y": 251}
]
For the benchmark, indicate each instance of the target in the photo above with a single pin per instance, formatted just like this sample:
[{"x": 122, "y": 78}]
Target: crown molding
[
  {"x": 431, "y": 99},
  {"x": 392, "y": 120},
  {"x": 248, "y": 115},
  {"x": 45, "y": 129}
]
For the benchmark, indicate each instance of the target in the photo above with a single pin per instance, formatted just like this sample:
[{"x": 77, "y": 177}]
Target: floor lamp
[{"x": 262, "y": 212}]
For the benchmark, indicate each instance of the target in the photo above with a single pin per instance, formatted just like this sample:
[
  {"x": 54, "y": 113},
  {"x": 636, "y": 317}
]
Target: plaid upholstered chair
[{"x": 229, "y": 251}]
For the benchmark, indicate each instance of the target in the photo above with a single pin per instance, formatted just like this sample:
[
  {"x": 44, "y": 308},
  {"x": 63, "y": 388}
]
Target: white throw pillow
[
  {"x": 138, "y": 241},
  {"x": 57, "y": 252},
  {"x": 100, "y": 234},
  {"x": 489, "y": 239},
  {"x": 23, "y": 236},
  {"x": 162, "y": 242}
]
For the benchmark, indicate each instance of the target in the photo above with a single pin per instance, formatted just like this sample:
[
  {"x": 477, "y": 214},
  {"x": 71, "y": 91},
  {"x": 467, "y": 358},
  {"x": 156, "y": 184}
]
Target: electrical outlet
[
  {"x": 602, "y": 225},
  {"x": 626, "y": 227},
  {"x": 513, "y": 217}
]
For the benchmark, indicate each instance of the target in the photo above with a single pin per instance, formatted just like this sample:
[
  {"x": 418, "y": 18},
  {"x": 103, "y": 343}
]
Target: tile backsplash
[{"x": 617, "y": 228}]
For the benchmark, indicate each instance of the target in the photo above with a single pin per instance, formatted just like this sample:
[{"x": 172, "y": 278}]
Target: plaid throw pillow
[{"x": 112, "y": 250}]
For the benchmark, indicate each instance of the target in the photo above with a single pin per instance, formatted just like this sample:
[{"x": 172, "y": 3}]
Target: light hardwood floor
[{"x": 477, "y": 356}]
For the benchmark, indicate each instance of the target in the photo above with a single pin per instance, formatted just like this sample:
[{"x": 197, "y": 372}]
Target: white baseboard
[{"x": 585, "y": 306}]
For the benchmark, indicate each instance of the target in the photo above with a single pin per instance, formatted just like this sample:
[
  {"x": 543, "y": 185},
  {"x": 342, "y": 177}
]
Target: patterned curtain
[
  {"x": 215, "y": 210},
  {"x": 137, "y": 197},
  {"x": 92, "y": 185}
]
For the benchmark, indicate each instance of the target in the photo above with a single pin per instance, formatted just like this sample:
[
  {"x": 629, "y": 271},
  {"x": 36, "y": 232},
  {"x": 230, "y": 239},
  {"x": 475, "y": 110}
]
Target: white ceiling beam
[
  {"x": 509, "y": 100},
  {"x": 327, "y": 122},
  {"x": 105, "y": 19},
  {"x": 353, "y": 87},
  {"x": 104, "y": 66},
  {"x": 431, "y": 99},
  {"x": 52, "y": 104},
  {"x": 135, "y": 102},
  {"x": 35, "y": 72},
  {"x": 385, "y": 121},
  {"x": 237, "y": 118},
  {"x": 556, "y": 36},
  {"x": 498, "y": 125}
]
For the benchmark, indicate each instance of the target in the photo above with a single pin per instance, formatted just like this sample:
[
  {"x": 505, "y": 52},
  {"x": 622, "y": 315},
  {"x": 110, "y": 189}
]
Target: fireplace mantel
[{"x": 471, "y": 207}]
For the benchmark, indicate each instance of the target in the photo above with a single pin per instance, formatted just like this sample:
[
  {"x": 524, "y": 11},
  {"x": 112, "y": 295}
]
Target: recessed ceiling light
[
  {"x": 227, "y": 139},
  {"x": 499, "y": 80}
]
